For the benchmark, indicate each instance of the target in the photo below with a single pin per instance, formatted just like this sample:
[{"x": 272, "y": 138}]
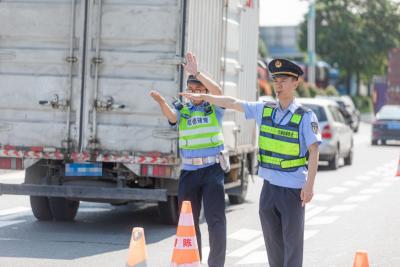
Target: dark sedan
[{"x": 387, "y": 125}]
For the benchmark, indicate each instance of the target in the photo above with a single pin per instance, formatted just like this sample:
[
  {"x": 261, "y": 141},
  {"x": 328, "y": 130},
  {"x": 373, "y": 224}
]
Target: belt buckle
[{"x": 197, "y": 161}]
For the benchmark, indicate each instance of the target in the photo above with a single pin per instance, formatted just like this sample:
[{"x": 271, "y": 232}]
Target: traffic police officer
[
  {"x": 200, "y": 144},
  {"x": 288, "y": 136}
]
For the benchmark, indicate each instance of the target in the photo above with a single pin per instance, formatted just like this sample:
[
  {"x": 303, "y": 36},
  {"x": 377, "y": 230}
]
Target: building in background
[{"x": 282, "y": 41}]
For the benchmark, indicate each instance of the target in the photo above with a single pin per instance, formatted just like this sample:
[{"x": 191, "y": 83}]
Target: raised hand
[
  {"x": 191, "y": 64},
  {"x": 157, "y": 97}
]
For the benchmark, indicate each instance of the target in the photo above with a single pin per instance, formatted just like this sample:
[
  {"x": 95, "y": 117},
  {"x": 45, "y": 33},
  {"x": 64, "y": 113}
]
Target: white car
[{"x": 337, "y": 136}]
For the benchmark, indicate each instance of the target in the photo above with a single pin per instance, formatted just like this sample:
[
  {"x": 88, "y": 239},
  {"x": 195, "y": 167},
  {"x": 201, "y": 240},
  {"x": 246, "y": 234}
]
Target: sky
[
  {"x": 277, "y": 13},
  {"x": 284, "y": 12}
]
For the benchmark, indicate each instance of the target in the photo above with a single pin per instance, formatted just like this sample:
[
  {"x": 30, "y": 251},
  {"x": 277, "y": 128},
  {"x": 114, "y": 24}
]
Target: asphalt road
[{"x": 355, "y": 207}]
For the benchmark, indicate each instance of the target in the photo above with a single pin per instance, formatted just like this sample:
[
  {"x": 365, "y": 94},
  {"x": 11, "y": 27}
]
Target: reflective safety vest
[
  {"x": 280, "y": 144},
  {"x": 199, "y": 129}
]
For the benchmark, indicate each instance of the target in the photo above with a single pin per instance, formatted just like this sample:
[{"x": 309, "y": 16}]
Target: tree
[
  {"x": 262, "y": 48},
  {"x": 355, "y": 34}
]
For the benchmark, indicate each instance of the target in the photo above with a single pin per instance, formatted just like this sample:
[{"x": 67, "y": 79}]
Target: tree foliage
[{"x": 356, "y": 35}]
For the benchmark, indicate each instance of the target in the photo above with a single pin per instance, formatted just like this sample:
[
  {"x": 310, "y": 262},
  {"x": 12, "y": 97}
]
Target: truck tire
[
  {"x": 63, "y": 209},
  {"x": 239, "y": 199},
  {"x": 169, "y": 211},
  {"x": 39, "y": 205}
]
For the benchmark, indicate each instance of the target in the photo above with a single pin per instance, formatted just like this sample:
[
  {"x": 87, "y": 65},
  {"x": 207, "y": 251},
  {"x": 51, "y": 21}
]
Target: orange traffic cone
[
  {"x": 186, "y": 252},
  {"x": 361, "y": 259},
  {"x": 137, "y": 253},
  {"x": 398, "y": 169}
]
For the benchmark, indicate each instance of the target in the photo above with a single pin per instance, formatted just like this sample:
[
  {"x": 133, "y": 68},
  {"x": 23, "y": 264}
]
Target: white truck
[{"x": 75, "y": 110}]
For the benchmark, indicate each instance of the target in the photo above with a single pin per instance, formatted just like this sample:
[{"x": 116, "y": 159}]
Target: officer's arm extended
[
  {"x": 165, "y": 108},
  {"x": 218, "y": 100}
]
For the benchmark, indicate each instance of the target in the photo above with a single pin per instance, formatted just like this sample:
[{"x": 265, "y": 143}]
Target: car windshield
[
  {"x": 389, "y": 112},
  {"x": 318, "y": 110}
]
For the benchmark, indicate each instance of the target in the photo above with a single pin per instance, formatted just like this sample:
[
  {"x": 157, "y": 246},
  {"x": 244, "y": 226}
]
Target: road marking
[
  {"x": 83, "y": 209},
  {"x": 382, "y": 184},
  {"x": 322, "y": 197},
  {"x": 245, "y": 234},
  {"x": 322, "y": 220},
  {"x": 254, "y": 258},
  {"x": 8, "y": 223},
  {"x": 363, "y": 177},
  {"x": 14, "y": 211},
  {"x": 340, "y": 208},
  {"x": 357, "y": 198},
  {"x": 310, "y": 233},
  {"x": 351, "y": 183},
  {"x": 313, "y": 212},
  {"x": 205, "y": 251},
  {"x": 260, "y": 257},
  {"x": 371, "y": 191},
  {"x": 338, "y": 189},
  {"x": 391, "y": 179},
  {"x": 17, "y": 175},
  {"x": 246, "y": 249}
]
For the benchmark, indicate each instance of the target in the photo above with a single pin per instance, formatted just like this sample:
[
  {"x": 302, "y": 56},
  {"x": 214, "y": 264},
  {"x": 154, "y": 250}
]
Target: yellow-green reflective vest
[
  {"x": 199, "y": 129},
  {"x": 280, "y": 144}
]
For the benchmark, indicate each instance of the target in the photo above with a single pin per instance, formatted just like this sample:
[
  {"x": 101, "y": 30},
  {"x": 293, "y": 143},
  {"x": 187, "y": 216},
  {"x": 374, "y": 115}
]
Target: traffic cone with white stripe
[
  {"x": 398, "y": 169},
  {"x": 137, "y": 253},
  {"x": 186, "y": 253},
  {"x": 361, "y": 259}
]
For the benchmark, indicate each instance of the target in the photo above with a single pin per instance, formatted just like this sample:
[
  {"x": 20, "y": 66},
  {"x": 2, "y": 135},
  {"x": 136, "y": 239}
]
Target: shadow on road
[{"x": 95, "y": 232}]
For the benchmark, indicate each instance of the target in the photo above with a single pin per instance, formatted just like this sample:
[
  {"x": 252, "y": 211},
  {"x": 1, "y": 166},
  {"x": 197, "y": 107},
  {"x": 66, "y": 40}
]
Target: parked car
[
  {"x": 349, "y": 111},
  {"x": 387, "y": 125},
  {"x": 337, "y": 136}
]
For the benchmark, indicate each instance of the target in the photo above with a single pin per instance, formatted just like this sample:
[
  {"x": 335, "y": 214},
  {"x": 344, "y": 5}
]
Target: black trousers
[
  {"x": 282, "y": 221},
  {"x": 207, "y": 185}
]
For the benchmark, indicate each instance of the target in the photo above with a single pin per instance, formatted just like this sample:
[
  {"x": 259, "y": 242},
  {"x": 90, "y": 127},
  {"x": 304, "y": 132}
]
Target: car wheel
[
  {"x": 333, "y": 164},
  {"x": 348, "y": 160},
  {"x": 383, "y": 142},
  {"x": 374, "y": 142}
]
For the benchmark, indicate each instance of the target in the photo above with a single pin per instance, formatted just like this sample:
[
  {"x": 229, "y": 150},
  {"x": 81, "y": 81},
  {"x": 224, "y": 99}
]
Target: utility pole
[{"x": 311, "y": 42}]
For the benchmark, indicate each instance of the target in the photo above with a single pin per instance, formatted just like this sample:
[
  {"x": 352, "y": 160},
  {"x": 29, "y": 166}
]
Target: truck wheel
[
  {"x": 39, "y": 205},
  {"x": 239, "y": 199},
  {"x": 63, "y": 209},
  {"x": 169, "y": 211}
]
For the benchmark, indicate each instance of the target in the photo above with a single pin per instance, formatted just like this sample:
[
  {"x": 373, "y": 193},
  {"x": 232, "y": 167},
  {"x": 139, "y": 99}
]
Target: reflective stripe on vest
[
  {"x": 198, "y": 130},
  {"x": 280, "y": 144}
]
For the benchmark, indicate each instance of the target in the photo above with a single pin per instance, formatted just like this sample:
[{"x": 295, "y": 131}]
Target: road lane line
[
  {"x": 340, "y": 208},
  {"x": 14, "y": 211},
  {"x": 357, "y": 198},
  {"x": 249, "y": 247},
  {"x": 245, "y": 234},
  {"x": 311, "y": 213},
  {"x": 371, "y": 191},
  {"x": 351, "y": 183},
  {"x": 382, "y": 184},
  {"x": 322, "y": 197},
  {"x": 322, "y": 220},
  {"x": 256, "y": 257},
  {"x": 338, "y": 190}
]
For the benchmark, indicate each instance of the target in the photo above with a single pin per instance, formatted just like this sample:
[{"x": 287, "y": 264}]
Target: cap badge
[{"x": 278, "y": 64}]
